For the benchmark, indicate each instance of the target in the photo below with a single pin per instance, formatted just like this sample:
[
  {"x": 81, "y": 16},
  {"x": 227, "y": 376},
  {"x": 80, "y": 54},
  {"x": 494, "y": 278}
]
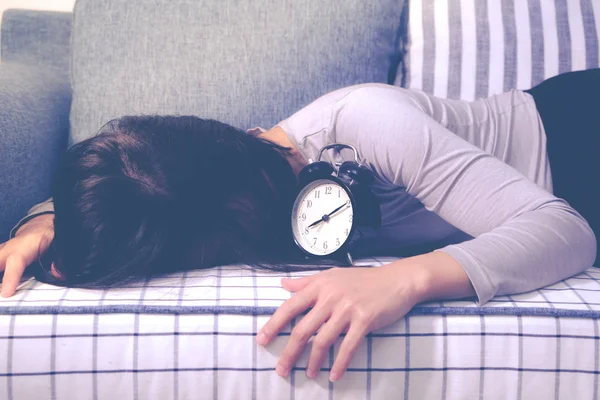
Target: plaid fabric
[{"x": 192, "y": 335}]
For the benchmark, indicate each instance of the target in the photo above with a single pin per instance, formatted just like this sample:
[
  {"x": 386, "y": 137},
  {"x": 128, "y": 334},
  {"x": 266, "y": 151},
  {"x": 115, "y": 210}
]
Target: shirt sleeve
[
  {"x": 523, "y": 237},
  {"x": 46, "y": 207}
]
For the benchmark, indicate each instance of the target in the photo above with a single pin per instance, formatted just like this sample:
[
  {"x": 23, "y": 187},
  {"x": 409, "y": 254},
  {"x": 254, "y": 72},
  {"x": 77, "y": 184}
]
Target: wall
[
  {"x": 52, "y": 5},
  {"x": 56, "y": 5}
]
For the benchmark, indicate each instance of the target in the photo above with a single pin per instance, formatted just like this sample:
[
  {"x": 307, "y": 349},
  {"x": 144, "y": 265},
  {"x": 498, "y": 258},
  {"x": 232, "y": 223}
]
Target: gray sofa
[
  {"x": 254, "y": 62},
  {"x": 245, "y": 63},
  {"x": 35, "y": 97}
]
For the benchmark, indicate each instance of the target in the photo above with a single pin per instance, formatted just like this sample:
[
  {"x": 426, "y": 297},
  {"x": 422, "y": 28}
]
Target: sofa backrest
[
  {"x": 254, "y": 62},
  {"x": 244, "y": 62}
]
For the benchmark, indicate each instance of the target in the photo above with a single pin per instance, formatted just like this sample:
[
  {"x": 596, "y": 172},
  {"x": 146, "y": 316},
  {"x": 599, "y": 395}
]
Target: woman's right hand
[{"x": 30, "y": 242}]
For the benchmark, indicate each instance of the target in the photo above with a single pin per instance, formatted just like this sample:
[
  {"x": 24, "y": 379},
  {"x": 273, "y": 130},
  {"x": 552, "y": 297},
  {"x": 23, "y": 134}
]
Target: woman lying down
[{"x": 501, "y": 195}]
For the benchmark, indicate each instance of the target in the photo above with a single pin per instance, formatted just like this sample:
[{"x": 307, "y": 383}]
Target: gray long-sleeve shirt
[{"x": 470, "y": 178}]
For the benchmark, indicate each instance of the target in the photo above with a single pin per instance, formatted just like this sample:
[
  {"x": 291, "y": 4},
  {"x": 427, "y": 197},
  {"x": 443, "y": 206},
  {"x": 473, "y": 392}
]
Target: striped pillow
[{"x": 468, "y": 49}]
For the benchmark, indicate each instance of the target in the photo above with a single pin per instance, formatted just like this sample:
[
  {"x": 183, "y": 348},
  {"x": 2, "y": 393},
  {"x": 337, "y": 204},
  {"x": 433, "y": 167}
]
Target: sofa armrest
[
  {"x": 36, "y": 37},
  {"x": 34, "y": 128}
]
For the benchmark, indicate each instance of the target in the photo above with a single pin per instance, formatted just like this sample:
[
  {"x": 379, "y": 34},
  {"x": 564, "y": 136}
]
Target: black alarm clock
[{"x": 333, "y": 205}]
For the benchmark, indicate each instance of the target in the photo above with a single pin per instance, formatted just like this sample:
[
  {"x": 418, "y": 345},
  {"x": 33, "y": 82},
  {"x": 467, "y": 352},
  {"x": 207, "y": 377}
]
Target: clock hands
[
  {"x": 326, "y": 217},
  {"x": 315, "y": 223},
  {"x": 336, "y": 210}
]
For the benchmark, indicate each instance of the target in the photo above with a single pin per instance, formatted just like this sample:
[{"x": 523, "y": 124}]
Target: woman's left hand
[{"x": 353, "y": 300}]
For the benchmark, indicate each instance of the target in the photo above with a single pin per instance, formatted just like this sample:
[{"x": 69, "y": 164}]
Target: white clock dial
[{"x": 322, "y": 217}]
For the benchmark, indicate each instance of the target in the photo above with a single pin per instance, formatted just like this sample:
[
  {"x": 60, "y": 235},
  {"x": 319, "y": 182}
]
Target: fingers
[
  {"x": 32, "y": 240},
  {"x": 297, "y": 284},
  {"x": 347, "y": 349},
  {"x": 321, "y": 344},
  {"x": 3, "y": 255},
  {"x": 55, "y": 272},
  {"x": 284, "y": 314},
  {"x": 299, "y": 337},
  {"x": 14, "y": 268}
]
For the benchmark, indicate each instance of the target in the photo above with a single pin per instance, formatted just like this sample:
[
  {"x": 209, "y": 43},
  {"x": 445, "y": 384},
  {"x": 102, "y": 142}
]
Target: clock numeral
[
  {"x": 339, "y": 192},
  {"x": 317, "y": 194},
  {"x": 328, "y": 190},
  {"x": 308, "y": 203},
  {"x": 303, "y": 217},
  {"x": 315, "y": 239},
  {"x": 306, "y": 231},
  {"x": 348, "y": 202},
  {"x": 350, "y": 218},
  {"x": 325, "y": 245},
  {"x": 346, "y": 231},
  {"x": 337, "y": 241}
]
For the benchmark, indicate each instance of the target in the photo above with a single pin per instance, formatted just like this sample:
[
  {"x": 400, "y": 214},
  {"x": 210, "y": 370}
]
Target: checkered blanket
[{"x": 192, "y": 335}]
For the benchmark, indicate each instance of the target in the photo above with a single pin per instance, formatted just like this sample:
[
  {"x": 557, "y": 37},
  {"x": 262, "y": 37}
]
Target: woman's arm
[
  {"x": 30, "y": 241},
  {"x": 524, "y": 237},
  {"x": 358, "y": 301},
  {"x": 27, "y": 241},
  {"x": 45, "y": 207}
]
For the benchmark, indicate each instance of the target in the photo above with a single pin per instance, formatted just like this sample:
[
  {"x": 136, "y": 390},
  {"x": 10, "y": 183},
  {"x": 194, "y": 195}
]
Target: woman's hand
[
  {"x": 358, "y": 301},
  {"x": 31, "y": 241},
  {"x": 352, "y": 300}
]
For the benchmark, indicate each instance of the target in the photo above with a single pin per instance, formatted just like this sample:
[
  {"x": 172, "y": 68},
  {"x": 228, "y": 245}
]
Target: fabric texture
[
  {"x": 449, "y": 167},
  {"x": 36, "y": 38},
  {"x": 471, "y": 49},
  {"x": 192, "y": 335},
  {"x": 243, "y": 62},
  {"x": 34, "y": 126}
]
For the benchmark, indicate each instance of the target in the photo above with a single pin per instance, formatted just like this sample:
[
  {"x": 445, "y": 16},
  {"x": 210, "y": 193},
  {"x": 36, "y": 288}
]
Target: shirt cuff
[
  {"x": 46, "y": 207},
  {"x": 484, "y": 289}
]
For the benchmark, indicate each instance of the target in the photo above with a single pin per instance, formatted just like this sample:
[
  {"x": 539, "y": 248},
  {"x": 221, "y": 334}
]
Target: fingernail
[
  {"x": 334, "y": 376},
  {"x": 311, "y": 373},
  {"x": 281, "y": 371},
  {"x": 261, "y": 339}
]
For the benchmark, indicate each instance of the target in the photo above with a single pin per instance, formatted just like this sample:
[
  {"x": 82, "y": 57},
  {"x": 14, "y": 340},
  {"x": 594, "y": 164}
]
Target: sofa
[{"x": 253, "y": 63}]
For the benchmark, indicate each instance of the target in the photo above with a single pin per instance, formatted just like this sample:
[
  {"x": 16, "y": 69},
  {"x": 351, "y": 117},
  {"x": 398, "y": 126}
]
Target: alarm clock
[{"x": 333, "y": 205}]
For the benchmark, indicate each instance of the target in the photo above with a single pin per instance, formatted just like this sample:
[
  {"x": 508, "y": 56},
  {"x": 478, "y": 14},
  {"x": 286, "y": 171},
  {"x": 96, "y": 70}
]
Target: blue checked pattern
[{"x": 192, "y": 335}]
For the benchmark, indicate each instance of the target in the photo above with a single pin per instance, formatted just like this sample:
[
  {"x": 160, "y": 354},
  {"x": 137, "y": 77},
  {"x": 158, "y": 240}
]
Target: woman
[{"x": 469, "y": 180}]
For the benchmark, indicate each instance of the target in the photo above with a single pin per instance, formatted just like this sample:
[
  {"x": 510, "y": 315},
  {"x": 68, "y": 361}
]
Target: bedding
[{"x": 192, "y": 336}]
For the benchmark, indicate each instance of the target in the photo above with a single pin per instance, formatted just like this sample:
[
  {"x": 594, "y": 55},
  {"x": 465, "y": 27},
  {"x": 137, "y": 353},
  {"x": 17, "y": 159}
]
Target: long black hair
[{"x": 150, "y": 195}]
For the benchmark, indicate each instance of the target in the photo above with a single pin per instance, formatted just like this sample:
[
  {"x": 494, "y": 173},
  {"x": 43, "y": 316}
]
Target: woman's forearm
[
  {"x": 437, "y": 276},
  {"x": 43, "y": 208}
]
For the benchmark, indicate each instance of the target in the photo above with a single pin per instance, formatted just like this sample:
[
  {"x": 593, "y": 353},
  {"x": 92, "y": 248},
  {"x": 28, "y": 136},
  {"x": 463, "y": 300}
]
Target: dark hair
[{"x": 155, "y": 194}]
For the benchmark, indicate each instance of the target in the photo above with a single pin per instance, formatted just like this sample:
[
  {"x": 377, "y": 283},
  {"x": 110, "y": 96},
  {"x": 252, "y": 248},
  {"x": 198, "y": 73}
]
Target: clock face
[{"x": 322, "y": 217}]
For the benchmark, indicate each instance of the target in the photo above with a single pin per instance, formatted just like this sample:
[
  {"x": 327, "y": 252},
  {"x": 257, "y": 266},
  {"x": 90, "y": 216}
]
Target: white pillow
[{"x": 469, "y": 49}]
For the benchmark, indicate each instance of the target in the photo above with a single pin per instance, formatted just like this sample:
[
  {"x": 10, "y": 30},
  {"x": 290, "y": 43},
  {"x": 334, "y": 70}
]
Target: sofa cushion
[
  {"x": 34, "y": 123},
  {"x": 471, "y": 49},
  {"x": 244, "y": 62}
]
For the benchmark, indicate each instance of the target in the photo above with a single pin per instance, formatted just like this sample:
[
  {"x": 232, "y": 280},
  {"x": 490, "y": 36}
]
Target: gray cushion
[
  {"x": 245, "y": 62},
  {"x": 34, "y": 124}
]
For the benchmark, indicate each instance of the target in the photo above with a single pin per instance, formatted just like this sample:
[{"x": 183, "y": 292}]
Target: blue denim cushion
[
  {"x": 34, "y": 123},
  {"x": 36, "y": 38},
  {"x": 244, "y": 62}
]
